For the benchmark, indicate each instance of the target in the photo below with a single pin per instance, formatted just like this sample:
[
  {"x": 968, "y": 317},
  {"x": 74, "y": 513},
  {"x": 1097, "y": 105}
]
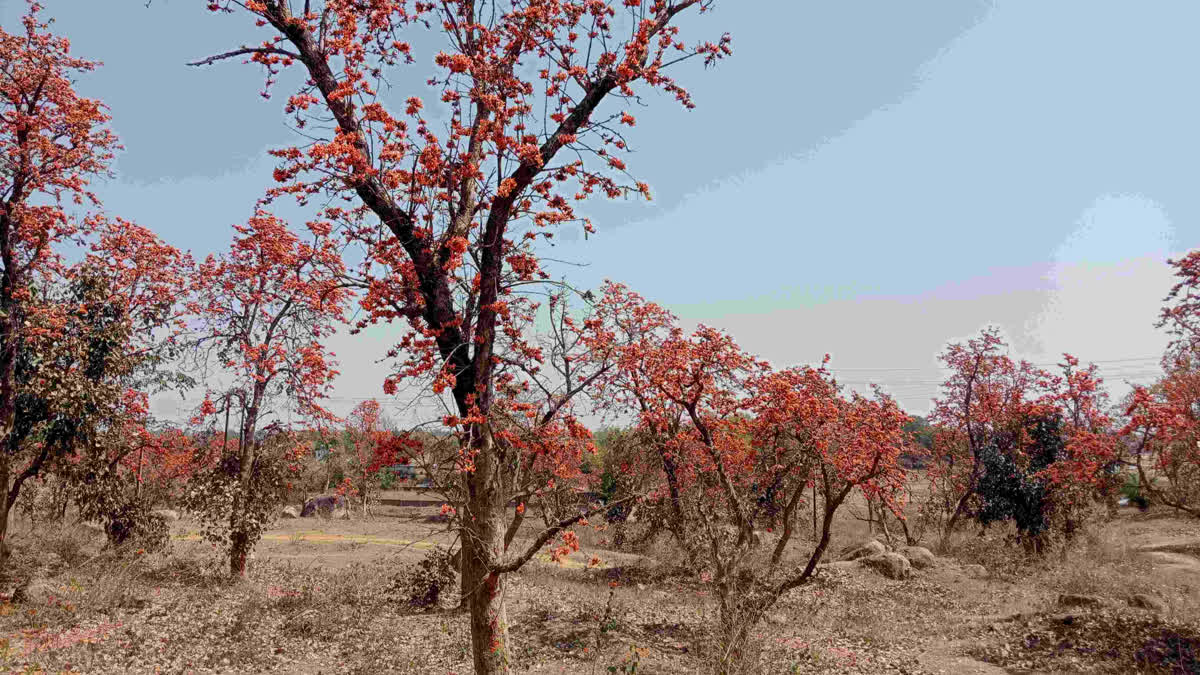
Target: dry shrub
[
  {"x": 426, "y": 583},
  {"x": 1104, "y": 564},
  {"x": 70, "y": 543},
  {"x": 996, "y": 548}
]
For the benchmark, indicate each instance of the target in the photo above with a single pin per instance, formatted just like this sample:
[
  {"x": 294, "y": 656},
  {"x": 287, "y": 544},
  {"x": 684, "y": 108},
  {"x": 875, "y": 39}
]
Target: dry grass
[{"x": 311, "y": 603}]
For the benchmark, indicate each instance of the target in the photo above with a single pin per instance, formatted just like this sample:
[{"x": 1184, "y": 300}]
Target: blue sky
[{"x": 868, "y": 179}]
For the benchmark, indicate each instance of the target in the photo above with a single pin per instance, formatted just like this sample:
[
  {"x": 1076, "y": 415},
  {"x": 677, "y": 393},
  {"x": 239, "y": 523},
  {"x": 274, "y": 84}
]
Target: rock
[
  {"x": 842, "y": 565},
  {"x": 290, "y": 512},
  {"x": 890, "y": 565},
  {"x": 1074, "y": 600},
  {"x": 777, "y": 618},
  {"x": 323, "y": 505},
  {"x": 34, "y": 592},
  {"x": 340, "y": 513},
  {"x": 98, "y": 528},
  {"x": 168, "y": 515},
  {"x": 865, "y": 549},
  {"x": 920, "y": 557},
  {"x": 975, "y": 571},
  {"x": 1143, "y": 601}
]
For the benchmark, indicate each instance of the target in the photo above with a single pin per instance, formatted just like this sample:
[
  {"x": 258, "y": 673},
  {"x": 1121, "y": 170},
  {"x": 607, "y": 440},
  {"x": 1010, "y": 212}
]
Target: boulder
[
  {"x": 920, "y": 557},
  {"x": 168, "y": 515},
  {"x": 890, "y": 565},
  {"x": 290, "y": 512},
  {"x": 1074, "y": 600},
  {"x": 1143, "y": 601},
  {"x": 841, "y": 565},
  {"x": 34, "y": 592},
  {"x": 864, "y": 549},
  {"x": 340, "y": 513},
  {"x": 975, "y": 571},
  {"x": 323, "y": 505}
]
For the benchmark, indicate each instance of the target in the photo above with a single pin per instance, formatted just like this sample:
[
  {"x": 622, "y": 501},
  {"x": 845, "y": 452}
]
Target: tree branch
[
  {"x": 245, "y": 50},
  {"x": 549, "y": 533}
]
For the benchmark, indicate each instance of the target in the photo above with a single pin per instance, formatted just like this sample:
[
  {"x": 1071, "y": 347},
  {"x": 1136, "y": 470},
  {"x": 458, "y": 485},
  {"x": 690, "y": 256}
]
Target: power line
[{"x": 1040, "y": 365}]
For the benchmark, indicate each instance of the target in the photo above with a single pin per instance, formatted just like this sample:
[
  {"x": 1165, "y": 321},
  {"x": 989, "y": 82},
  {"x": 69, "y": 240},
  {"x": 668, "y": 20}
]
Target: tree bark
[
  {"x": 483, "y": 548},
  {"x": 239, "y": 549}
]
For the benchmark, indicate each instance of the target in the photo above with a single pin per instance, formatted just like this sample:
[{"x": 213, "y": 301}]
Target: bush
[
  {"x": 1013, "y": 486},
  {"x": 421, "y": 584}
]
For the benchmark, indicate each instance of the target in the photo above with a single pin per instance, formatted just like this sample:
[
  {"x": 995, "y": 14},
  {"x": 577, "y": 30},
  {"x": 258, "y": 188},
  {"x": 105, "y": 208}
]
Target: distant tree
[
  {"x": 920, "y": 435},
  {"x": 262, "y": 312},
  {"x": 986, "y": 418},
  {"x": 1162, "y": 430}
]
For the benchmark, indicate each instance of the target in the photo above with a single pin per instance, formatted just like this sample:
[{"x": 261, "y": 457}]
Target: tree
[
  {"x": 372, "y": 448},
  {"x": 986, "y": 394},
  {"x": 145, "y": 282},
  {"x": 440, "y": 216},
  {"x": 53, "y": 142},
  {"x": 744, "y": 445},
  {"x": 1016, "y": 440},
  {"x": 1162, "y": 427},
  {"x": 625, "y": 322},
  {"x": 262, "y": 311}
]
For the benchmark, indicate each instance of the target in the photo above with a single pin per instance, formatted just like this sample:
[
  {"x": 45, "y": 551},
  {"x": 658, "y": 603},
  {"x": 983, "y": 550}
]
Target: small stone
[
  {"x": 168, "y": 515},
  {"x": 975, "y": 571},
  {"x": 1075, "y": 600},
  {"x": 1143, "y": 601},
  {"x": 290, "y": 512}
]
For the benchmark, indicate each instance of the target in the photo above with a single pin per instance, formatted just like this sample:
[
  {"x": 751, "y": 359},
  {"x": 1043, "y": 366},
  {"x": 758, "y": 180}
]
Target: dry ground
[{"x": 316, "y": 601}]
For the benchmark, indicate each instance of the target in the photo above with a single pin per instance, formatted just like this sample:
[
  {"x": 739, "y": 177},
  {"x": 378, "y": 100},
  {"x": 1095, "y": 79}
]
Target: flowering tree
[
  {"x": 262, "y": 312},
  {"x": 145, "y": 280},
  {"x": 1162, "y": 431},
  {"x": 372, "y": 448},
  {"x": 52, "y": 141},
  {"x": 1018, "y": 441},
  {"x": 449, "y": 219},
  {"x": 738, "y": 446},
  {"x": 75, "y": 341},
  {"x": 986, "y": 394}
]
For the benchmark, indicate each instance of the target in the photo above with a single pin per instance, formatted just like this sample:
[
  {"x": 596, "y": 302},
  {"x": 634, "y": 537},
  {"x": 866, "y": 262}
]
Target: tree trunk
[
  {"x": 239, "y": 535},
  {"x": 958, "y": 511},
  {"x": 482, "y": 549},
  {"x": 5, "y": 479}
]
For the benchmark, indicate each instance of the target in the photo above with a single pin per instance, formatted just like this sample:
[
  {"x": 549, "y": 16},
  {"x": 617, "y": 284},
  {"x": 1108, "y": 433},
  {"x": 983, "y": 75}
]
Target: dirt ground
[{"x": 317, "y": 600}]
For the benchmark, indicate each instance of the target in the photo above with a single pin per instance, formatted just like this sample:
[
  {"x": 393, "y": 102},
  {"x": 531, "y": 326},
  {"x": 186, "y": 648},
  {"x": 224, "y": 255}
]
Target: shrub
[{"x": 421, "y": 584}]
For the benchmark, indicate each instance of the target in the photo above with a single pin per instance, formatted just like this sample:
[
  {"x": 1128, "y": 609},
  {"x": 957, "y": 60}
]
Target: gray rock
[
  {"x": 340, "y": 513},
  {"x": 1074, "y": 600},
  {"x": 920, "y": 557},
  {"x": 864, "y": 549},
  {"x": 290, "y": 512},
  {"x": 842, "y": 565},
  {"x": 1143, "y": 601},
  {"x": 34, "y": 592},
  {"x": 323, "y": 505},
  {"x": 890, "y": 565},
  {"x": 168, "y": 515},
  {"x": 975, "y": 571}
]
